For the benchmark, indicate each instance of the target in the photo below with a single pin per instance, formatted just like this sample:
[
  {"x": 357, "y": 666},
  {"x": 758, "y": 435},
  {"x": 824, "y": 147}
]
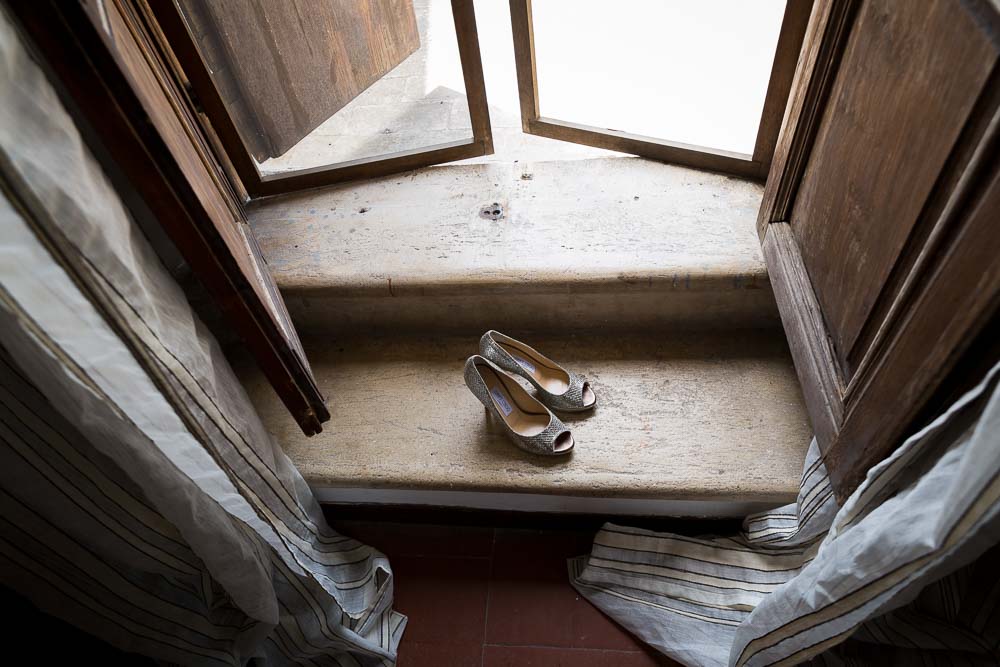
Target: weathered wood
[
  {"x": 258, "y": 185},
  {"x": 524, "y": 61},
  {"x": 284, "y": 68},
  {"x": 472, "y": 75},
  {"x": 824, "y": 41},
  {"x": 121, "y": 91},
  {"x": 885, "y": 269},
  {"x": 189, "y": 67},
  {"x": 363, "y": 168},
  {"x": 942, "y": 214},
  {"x": 700, "y": 157},
  {"x": 960, "y": 294},
  {"x": 802, "y": 318},
  {"x": 896, "y": 110},
  {"x": 779, "y": 84}
]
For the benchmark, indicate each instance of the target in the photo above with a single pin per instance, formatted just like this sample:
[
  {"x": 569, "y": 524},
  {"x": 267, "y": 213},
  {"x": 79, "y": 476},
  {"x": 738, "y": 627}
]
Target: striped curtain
[
  {"x": 905, "y": 573},
  {"x": 141, "y": 499}
]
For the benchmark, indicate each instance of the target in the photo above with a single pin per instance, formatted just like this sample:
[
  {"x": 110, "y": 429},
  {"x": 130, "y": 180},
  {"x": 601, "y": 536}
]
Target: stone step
[
  {"x": 688, "y": 424},
  {"x": 601, "y": 244}
]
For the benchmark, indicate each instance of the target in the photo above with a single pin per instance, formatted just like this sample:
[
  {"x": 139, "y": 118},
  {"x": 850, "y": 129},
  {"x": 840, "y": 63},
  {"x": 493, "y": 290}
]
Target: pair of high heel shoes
[{"x": 527, "y": 421}]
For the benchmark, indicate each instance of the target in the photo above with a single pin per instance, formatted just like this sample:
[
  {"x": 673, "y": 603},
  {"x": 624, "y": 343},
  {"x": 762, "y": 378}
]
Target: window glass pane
[{"x": 691, "y": 71}]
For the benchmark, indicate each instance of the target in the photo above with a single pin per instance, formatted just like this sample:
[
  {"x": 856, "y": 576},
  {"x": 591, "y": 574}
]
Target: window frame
[
  {"x": 256, "y": 184},
  {"x": 117, "y": 86},
  {"x": 756, "y": 166}
]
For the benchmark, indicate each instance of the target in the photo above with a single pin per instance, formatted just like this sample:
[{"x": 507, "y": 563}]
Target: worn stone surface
[
  {"x": 610, "y": 242},
  {"x": 696, "y": 416}
]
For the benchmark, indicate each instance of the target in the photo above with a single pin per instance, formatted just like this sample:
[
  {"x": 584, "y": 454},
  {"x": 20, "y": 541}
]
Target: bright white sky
[{"x": 693, "y": 71}]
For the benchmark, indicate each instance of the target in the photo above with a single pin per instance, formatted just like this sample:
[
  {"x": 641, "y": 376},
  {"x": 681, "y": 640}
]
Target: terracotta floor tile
[
  {"x": 538, "y": 656},
  {"x": 433, "y": 654},
  {"x": 410, "y": 539},
  {"x": 444, "y": 598},
  {"x": 531, "y": 601}
]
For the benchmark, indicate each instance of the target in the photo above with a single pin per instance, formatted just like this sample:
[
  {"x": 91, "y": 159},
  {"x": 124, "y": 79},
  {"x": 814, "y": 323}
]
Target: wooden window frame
[
  {"x": 69, "y": 39},
  {"x": 256, "y": 184},
  {"x": 756, "y": 166}
]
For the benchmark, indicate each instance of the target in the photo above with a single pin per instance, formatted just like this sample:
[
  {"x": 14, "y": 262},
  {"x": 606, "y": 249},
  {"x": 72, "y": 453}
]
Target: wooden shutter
[
  {"x": 228, "y": 116},
  {"x": 881, "y": 217},
  {"x": 283, "y": 68},
  {"x": 111, "y": 68}
]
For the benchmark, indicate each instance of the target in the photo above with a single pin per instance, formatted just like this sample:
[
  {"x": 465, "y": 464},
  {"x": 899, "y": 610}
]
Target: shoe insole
[
  {"x": 545, "y": 371},
  {"x": 514, "y": 404}
]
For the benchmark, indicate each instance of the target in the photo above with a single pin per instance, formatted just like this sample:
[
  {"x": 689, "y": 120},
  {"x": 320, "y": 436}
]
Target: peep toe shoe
[
  {"x": 526, "y": 422},
  {"x": 557, "y": 388}
]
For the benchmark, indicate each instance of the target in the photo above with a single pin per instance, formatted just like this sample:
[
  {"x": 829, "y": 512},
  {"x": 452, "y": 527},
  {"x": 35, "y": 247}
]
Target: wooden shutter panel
[
  {"x": 286, "y": 67},
  {"x": 879, "y": 222},
  {"x": 116, "y": 78}
]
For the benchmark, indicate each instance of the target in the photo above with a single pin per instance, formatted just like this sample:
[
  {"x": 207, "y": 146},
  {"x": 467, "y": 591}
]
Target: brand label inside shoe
[
  {"x": 500, "y": 398},
  {"x": 525, "y": 364}
]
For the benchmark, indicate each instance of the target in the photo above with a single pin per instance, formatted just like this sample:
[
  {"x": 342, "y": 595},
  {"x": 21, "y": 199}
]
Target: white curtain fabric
[
  {"x": 904, "y": 573},
  {"x": 142, "y": 498}
]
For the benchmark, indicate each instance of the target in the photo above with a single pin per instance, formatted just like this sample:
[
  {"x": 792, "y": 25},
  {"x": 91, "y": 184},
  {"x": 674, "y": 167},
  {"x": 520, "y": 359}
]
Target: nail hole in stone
[{"x": 492, "y": 211}]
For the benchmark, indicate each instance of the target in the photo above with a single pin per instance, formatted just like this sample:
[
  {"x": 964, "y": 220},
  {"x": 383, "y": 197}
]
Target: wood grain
[
  {"x": 467, "y": 34},
  {"x": 961, "y": 295},
  {"x": 942, "y": 215},
  {"x": 217, "y": 113},
  {"x": 802, "y": 318},
  {"x": 524, "y": 61},
  {"x": 371, "y": 167},
  {"x": 886, "y": 268},
  {"x": 779, "y": 84},
  {"x": 826, "y": 36},
  {"x": 909, "y": 78},
  {"x": 116, "y": 87},
  {"x": 688, "y": 155},
  {"x": 284, "y": 68}
]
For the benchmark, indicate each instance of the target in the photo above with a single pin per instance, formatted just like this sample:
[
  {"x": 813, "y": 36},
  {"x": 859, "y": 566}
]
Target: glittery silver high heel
[
  {"x": 557, "y": 388},
  {"x": 526, "y": 422}
]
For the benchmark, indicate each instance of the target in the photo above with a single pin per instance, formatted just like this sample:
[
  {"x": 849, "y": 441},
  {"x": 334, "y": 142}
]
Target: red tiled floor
[
  {"x": 409, "y": 539},
  {"x": 483, "y": 596},
  {"x": 531, "y": 601},
  {"x": 538, "y": 656},
  {"x": 433, "y": 654},
  {"x": 444, "y": 598}
]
